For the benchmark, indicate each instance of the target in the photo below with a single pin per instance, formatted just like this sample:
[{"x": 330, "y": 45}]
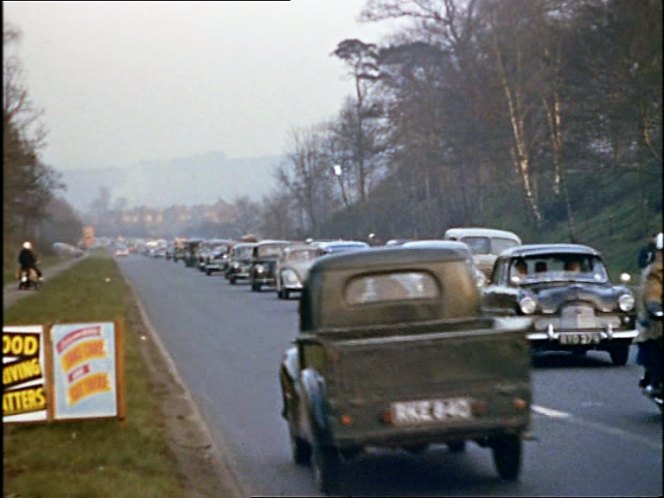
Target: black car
[
  {"x": 239, "y": 262},
  {"x": 263, "y": 262},
  {"x": 566, "y": 290}
]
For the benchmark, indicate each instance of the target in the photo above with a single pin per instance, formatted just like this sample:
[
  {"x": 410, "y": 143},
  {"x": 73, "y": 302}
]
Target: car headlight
[
  {"x": 626, "y": 302},
  {"x": 480, "y": 278},
  {"x": 527, "y": 305},
  {"x": 290, "y": 277},
  {"x": 260, "y": 268}
]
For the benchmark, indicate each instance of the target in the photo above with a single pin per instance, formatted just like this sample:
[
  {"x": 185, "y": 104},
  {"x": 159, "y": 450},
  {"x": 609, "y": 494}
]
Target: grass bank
[{"x": 90, "y": 458}]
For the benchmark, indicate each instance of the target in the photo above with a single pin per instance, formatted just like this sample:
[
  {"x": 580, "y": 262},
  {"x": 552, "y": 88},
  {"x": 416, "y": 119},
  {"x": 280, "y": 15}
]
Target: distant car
[
  {"x": 218, "y": 258},
  {"x": 263, "y": 262},
  {"x": 239, "y": 262},
  {"x": 121, "y": 252},
  {"x": 485, "y": 244},
  {"x": 337, "y": 246},
  {"x": 397, "y": 242},
  {"x": 566, "y": 290},
  {"x": 292, "y": 268},
  {"x": 478, "y": 276}
]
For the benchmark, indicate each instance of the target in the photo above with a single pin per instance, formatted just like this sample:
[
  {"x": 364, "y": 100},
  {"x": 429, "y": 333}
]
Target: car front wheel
[{"x": 619, "y": 355}]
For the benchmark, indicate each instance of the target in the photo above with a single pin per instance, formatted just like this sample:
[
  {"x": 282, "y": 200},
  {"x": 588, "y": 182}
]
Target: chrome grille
[{"x": 578, "y": 317}]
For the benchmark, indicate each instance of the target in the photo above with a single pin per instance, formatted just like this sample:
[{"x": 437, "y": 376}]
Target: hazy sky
[{"x": 123, "y": 82}]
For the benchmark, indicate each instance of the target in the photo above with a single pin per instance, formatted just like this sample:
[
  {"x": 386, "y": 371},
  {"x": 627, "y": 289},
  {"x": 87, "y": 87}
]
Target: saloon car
[
  {"x": 263, "y": 261},
  {"x": 485, "y": 244},
  {"x": 337, "y": 246},
  {"x": 292, "y": 268},
  {"x": 218, "y": 257},
  {"x": 479, "y": 277},
  {"x": 565, "y": 289},
  {"x": 239, "y": 262}
]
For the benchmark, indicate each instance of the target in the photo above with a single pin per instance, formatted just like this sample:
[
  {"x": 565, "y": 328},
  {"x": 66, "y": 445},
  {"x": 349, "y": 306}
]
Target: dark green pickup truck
[{"x": 394, "y": 352}]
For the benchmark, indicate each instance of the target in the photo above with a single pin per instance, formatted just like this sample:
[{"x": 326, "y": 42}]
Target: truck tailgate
[{"x": 486, "y": 372}]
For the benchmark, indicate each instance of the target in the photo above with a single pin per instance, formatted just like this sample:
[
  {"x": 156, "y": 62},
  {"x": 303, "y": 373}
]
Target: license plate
[
  {"x": 581, "y": 338},
  {"x": 430, "y": 410}
]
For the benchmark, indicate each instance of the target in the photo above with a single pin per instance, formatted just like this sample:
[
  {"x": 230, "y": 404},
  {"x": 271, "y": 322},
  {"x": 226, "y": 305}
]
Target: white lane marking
[
  {"x": 549, "y": 412},
  {"x": 607, "y": 429}
]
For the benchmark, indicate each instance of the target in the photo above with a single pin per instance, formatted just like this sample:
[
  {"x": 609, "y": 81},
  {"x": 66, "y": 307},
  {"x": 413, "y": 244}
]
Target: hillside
[{"x": 613, "y": 213}]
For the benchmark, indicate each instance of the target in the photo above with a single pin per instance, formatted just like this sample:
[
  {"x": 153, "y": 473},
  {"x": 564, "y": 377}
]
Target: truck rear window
[{"x": 391, "y": 287}]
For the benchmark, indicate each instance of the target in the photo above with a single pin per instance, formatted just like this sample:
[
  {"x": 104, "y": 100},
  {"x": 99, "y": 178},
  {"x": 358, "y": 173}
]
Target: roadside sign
[
  {"x": 66, "y": 371},
  {"x": 24, "y": 397}
]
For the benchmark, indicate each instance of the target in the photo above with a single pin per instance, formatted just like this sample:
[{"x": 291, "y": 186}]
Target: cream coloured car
[
  {"x": 292, "y": 268},
  {"x": 485, "y": 244}
]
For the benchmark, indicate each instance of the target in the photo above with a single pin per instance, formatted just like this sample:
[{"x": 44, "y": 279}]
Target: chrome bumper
[{"x": 605, "y": 335}]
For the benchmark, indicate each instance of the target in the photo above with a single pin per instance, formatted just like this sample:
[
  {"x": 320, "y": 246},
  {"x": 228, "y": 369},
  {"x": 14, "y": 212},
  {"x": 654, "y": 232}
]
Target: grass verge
[{"x": 90, "y": 458}]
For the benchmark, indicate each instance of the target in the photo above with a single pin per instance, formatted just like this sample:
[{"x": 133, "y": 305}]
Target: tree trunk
[{"x": 519, "y": 148}]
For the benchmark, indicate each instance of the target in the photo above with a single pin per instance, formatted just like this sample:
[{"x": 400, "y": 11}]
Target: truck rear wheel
[
  {"x": 507, "y": 456},
  {"x": 326, "y": 462}
]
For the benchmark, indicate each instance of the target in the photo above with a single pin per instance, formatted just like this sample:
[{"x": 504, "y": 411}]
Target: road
[{"x": 593, "y": 434}]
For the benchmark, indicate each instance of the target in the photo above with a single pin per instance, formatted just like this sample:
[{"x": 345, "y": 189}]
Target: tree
[
  {"x": 28, "y": 184},
  {"x": 305, "y": 175},
  {"x": 360, "y": 58}
]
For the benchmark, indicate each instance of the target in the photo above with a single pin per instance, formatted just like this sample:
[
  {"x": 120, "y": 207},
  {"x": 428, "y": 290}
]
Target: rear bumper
[{"x": 391, "y": 437}]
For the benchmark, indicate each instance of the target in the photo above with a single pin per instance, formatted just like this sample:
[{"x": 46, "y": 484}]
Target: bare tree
[
  {"x": 28, "y": 184},
  {"x": 305, "y": 174}
]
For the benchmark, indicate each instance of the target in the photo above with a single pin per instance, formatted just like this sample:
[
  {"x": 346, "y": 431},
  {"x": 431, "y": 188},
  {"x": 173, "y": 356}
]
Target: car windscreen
[
  {"x": 345, "y": 247},
  {"x": 558, "y": 267},
  {"x": 477, "y": 245},
  {"x": 303, "y": 255},
  {"x": 402, "y": 286},
  {"x": 499, "y": 244},
  {"x": 269, "y": 251},
  {"x": 243, "y": 252}
]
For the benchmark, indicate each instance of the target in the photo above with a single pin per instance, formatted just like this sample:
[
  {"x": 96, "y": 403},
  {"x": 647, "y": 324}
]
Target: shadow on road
[{"x": 568, "y": 360}]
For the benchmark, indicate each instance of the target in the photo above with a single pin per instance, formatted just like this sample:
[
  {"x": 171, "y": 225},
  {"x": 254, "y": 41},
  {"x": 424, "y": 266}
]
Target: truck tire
[
  {"x": 326, "y": 466},
  {"x": 300, "y": 449},
  {"x": 506, "y": 451}
]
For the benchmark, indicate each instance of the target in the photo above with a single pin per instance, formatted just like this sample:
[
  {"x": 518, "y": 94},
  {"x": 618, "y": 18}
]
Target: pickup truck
[{"x": 394, "y": 351}]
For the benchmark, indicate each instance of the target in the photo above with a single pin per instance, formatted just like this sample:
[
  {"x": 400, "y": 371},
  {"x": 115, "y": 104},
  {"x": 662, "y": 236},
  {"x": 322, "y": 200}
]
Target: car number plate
[
  {"x": 430, "y": 410},
  {"x": 581, "y": 338}
]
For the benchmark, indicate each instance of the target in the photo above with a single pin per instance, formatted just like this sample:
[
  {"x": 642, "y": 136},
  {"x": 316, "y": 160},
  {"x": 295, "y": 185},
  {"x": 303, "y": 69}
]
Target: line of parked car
[{"x": 564, "y": 288}]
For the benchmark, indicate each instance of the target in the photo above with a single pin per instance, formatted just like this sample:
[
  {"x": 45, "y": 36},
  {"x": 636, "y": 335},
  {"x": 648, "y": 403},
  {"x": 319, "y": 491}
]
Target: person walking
[{"x": 649, "y": 339}]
